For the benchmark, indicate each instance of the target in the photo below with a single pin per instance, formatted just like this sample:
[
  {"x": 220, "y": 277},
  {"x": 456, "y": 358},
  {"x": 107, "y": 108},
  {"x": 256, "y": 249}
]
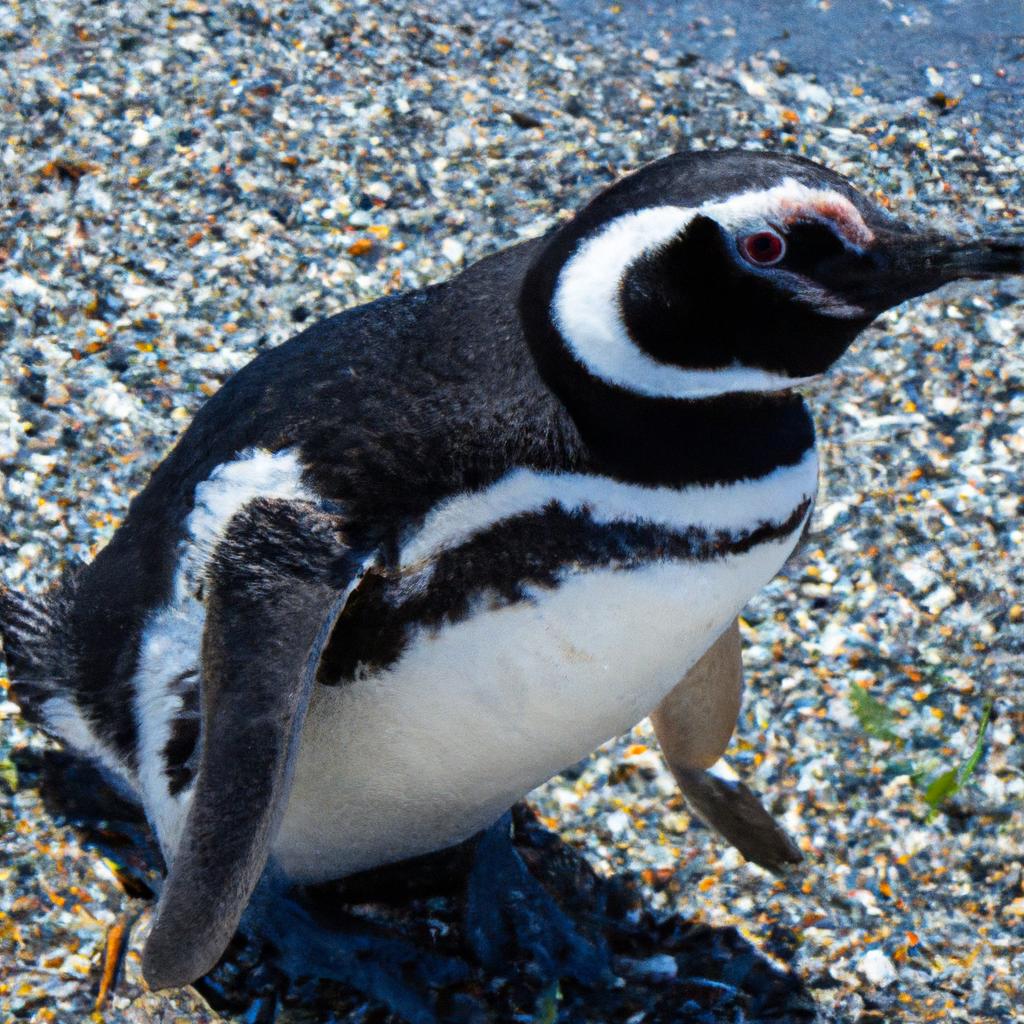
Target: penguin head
[{"x": 713, "y": 273}]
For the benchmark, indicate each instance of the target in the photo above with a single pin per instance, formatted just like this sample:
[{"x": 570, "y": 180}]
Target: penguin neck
[
  {"x": 661, "y": 441},
  {"x": 676, "y": 442}
]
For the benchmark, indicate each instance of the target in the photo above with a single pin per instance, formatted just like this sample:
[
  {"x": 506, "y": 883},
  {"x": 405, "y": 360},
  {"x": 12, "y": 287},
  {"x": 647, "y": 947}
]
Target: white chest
[{"x": 474, "y": 715}]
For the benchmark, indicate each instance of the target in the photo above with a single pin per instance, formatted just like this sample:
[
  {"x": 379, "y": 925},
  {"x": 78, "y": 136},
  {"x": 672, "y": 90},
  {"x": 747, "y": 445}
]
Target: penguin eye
[{"x": 763, "y": 249}]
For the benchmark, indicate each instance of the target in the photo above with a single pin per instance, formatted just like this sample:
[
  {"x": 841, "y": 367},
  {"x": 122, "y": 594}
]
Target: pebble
[
  {"x": 660, "y": 966},
  {"x": 453, "y": 251},
  {"x": 877, "y": 968}
]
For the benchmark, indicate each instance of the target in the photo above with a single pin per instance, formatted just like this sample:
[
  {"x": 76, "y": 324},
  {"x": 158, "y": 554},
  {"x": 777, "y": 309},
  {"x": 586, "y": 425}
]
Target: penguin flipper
[
  {"x": 694, "y": 724},
  {"x": 733, "y": 810},
  {"x": 276, "y": 584}
]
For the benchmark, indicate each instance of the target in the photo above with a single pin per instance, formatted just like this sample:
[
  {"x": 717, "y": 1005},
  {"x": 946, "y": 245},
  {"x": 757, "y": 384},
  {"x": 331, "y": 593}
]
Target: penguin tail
[{"x": 30, "y": 628}]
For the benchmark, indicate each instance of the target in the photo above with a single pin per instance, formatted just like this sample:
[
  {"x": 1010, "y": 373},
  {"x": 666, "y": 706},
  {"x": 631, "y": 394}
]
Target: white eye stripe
[{"x": 788, "y": 203}]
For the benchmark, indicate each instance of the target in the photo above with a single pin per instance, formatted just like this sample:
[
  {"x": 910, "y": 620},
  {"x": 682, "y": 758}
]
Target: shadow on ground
[{"x": 670, "y": 970}]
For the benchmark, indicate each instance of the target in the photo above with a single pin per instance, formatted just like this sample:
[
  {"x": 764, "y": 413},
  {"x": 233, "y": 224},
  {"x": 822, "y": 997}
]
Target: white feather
[
  {"x": 473, "y": 715},
  {"x": 256, "y": 473},
  {"x": 476, "y": 713},
  {"x": 172, "y": 636},
  {"x": 170, "y": 648},
  {"x": 732, "y": 507},
  {"x": 65, "y": 719}
]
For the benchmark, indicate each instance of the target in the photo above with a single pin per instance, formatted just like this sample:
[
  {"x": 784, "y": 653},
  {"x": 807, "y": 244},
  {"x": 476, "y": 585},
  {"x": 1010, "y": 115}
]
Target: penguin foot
[
  {"x": 510, "y": 917},
  {"x": 375, "y": 962}
]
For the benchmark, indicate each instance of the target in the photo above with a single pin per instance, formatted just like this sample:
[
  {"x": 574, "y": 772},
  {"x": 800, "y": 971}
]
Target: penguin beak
[
  {"x": 982, "y": 259},
  {"x": 910, "y": 264}
]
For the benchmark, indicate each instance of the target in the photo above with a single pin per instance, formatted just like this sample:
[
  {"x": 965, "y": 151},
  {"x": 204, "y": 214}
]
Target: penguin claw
[{"x": 510, "y": 916}]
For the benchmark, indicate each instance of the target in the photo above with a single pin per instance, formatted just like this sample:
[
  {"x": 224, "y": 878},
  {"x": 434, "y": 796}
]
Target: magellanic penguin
[{"x": 408, "y": 565}]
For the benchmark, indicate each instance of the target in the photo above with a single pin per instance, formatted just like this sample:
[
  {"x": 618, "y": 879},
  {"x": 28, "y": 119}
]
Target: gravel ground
[{"x": 184, "y": 186}]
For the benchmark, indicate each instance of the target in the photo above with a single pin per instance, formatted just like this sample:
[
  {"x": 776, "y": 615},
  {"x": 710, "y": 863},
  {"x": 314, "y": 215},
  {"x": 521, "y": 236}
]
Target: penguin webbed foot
[
  {"x": 377, "y": 963},
  {"x": 511, "y": 916}
]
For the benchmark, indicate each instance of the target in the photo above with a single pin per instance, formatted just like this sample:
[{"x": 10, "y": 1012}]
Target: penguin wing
[
  {"x": 694, "y": 724},
  {"x": 276, "y": 584},
  {"x": 733, "y": 810}
]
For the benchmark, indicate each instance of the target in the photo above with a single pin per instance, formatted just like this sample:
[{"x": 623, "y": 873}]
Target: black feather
[{"x": 37, "y": 658}]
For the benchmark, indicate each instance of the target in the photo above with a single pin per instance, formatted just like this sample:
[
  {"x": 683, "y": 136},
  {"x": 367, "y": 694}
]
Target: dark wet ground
[{"x": 976, "y": 46}]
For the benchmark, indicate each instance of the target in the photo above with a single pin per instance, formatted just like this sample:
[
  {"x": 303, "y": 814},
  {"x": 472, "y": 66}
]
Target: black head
[{"x": 706, "y": 274}]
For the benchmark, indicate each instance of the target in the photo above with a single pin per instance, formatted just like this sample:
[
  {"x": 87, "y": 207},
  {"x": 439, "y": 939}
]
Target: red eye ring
[{"x": 763, "y": 248}]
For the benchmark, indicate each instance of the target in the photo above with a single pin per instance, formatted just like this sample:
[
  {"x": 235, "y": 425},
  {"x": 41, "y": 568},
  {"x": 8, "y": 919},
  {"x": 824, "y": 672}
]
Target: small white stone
[
  {"x": 830, "y": 513},
  {"x": 452, "y": 250},
  {"x": 751, "y": 85},
  {"x": 833, "y": 640},
  {"x": 458, "y": 138},
  {"x": 811, "y": 92},
  {"x": 617, "y": 822},
  {"x": 939, "y": 599},
  {"x": 191, "y": 41},
  {"x": 21, "y": 284},
  {"x": 840, "y": 713},
  {"x": 731, "y": 860},
  {"x": 1002, "y": 734},
  {"x": 565, "y": 798},
  {"x": 676, "y": 823},
  {"x": 877, "y": 968},
  {"x": 114, "y": 402},
  {"x": 757, "y": 655},
  {"x": 918, "y": 575},
  {"x": 140, "y": 138},
  {"x": 1001, "y": 329},
  {"x": 133, "y": 294},
  {"x": 866, "y": 898}
]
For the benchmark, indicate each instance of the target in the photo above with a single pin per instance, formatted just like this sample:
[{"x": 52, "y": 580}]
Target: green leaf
[
  {"x": 9, "y": 775},
  {"x": 940, "y": 789},
  {"x": 966, "y": 770},
  {"x": 874, "y": 717},
  {"x": 951, "y": 781}
]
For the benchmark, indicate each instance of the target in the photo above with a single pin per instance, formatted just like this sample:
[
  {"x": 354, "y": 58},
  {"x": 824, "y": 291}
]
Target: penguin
[{"x": 406, "y": 566}]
